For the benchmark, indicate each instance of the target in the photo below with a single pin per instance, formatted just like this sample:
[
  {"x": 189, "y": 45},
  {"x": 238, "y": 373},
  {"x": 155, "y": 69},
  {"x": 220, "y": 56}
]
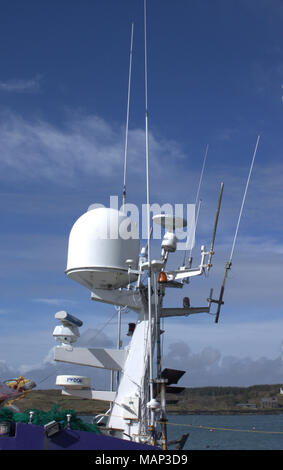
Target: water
[
  {"x": 226, "y": 432},
  {"x": 239, "y": 432}
]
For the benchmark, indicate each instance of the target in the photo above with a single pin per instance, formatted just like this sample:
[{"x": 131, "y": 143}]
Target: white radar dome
[
  {"x": 73, "y": 381},
  {"x": 100, "y": 242}
]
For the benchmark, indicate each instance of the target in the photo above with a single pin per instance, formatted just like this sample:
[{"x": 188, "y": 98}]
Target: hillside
[
  {"x": 256, "y": 399},
  {"x": 46, "y": 399}
]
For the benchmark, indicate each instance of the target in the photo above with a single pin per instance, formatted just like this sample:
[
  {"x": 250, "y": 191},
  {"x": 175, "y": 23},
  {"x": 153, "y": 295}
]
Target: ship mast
[
  {"x": 148, "y": 220},
  {"x": 98, "y": 263},
  {"x": 127, "y": 118}
]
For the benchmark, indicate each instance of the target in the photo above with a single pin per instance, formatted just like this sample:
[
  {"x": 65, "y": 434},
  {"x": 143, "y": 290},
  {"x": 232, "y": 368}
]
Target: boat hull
[{"x": 31, "y": 437}]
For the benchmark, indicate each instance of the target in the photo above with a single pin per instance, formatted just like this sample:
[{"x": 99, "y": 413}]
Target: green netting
[{"x": 40, "y": 418}]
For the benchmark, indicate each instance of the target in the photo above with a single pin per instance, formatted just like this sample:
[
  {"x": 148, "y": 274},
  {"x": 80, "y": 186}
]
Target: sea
[{"x": 228, "y": 432}]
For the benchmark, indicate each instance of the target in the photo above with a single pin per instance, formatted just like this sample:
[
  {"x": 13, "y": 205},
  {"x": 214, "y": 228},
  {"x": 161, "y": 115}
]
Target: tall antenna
[
  {"x": 127, "y": 120},
  {"x": 228, "y": 265},
  {"x": 148, "y": 220},
  {"x": 211, "y": 252},
  {"x": 244, "y": 199},
  {"x": 197, "y": 201}
]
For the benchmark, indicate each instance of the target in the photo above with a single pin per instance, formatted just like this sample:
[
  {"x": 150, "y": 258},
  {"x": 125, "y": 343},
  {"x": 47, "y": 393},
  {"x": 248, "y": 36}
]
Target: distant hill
[
  {"x": 257, "y": 398},
  {"x": 261, "y": 398},
  {"x": 46, "y": 399}
]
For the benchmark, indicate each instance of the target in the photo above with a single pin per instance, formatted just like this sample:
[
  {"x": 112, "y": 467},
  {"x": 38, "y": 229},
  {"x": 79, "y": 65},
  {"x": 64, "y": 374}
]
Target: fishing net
[{"x": 40, "y": 418}]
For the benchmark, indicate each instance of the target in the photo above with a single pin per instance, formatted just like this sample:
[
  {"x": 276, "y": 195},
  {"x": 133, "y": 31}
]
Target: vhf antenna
[
  {"x": 125, "y": 177},
  {"x": 197, "y": 201},
  {"x": 127, "y": 120},
  {"x": 151, "y": 390},
  {"x": 228, "y": 265},
  {"x": 211, "y": 252}
]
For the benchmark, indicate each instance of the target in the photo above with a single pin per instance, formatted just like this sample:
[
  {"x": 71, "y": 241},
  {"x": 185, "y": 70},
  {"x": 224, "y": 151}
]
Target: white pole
[
  {"x": 243, "y": 201},
  {"x": 196, "y": 201},
  {"x": 148, "y": 221},
  {"x": 229, "y": 263},
  {"x": 118, "y": 342},
  {"x": 127, "y": 120}
]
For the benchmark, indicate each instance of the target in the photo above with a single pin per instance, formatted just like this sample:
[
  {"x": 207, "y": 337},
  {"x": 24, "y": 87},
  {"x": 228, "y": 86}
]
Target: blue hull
[{"x": 31, "y": 437}]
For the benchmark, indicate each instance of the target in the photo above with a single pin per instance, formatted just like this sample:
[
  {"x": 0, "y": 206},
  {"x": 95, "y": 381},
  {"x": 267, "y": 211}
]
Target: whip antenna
[
  {"x": 211, "y": 252},
  {"x": 229, "y": 263},
  {"x": 196, "y": 201},
  {"x": 244, "y": 199},
  {"x": 128, "y": 113},
  {"x": 148, "y": 221}
]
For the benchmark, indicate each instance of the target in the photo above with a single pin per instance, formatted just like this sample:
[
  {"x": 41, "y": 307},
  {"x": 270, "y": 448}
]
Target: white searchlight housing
[{"x": 68, "y": 332}]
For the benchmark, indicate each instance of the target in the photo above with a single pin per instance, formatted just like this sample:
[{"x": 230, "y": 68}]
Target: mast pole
[
  {"x": 211, "y": 252},
  {"x": 229, "y": 263},
  {"x": 196, "y": 201},
  {"x": 125, "y": 171},
  {"x": 148, "y": 223},
  {"x": 243, "y": 201},
  {"x": 128, "y": 114},
  {"x": 118, "y": 342}
]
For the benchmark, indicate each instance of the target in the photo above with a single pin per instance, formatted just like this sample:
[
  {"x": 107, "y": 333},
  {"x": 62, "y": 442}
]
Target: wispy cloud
[
  {"x": 56, "y": 302},
  {"x": 31, "y": 85},
  {"x": 82, "y": 146}
]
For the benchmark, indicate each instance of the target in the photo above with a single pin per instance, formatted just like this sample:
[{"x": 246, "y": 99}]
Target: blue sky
[{"x": 215, "y": 77}]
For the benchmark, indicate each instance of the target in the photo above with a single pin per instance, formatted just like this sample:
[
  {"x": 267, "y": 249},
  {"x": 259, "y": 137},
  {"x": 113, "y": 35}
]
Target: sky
[{"x": 215, "y": 77}]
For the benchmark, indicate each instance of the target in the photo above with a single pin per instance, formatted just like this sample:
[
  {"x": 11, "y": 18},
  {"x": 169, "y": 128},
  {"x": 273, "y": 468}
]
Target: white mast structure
[
  {"x": 110, "y": 267},
  {"x": 108, "y": 264}
]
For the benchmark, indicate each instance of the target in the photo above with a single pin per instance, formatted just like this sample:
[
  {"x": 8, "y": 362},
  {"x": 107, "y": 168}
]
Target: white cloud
[
  {"x": 231, "y": 337},
  {"x": 83, "y": 146},
  {"x": 208, "y": 367},
  {"x": 55, "y": 302},
  {"x": 31, "y": 85},
  {"x": 6, "y": 371}
]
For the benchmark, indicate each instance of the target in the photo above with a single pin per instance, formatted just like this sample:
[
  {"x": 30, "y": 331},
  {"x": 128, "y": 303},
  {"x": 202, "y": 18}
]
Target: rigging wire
[
  {"x": 127, "y": 119},
  {"x": 105, "y": 324}
]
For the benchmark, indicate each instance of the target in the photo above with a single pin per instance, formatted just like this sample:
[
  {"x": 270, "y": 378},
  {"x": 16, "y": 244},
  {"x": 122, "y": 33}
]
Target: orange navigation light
[{"x": 162, "y": 277}]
